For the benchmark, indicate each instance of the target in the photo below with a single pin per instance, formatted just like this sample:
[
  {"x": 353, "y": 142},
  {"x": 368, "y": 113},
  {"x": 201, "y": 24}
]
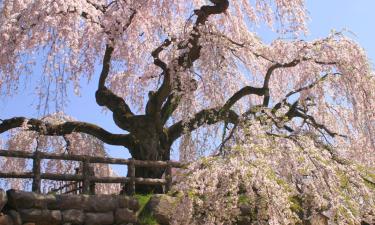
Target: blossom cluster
[{"x": 280, "y": 180}]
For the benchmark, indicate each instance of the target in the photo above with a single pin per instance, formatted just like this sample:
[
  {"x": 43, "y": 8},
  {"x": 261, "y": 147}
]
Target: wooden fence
[
  {"x": 87, "y": 178},
  {"x": 72, "y": 187}
]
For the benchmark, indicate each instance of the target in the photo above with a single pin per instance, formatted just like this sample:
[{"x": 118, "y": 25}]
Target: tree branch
[
  {"x": 267, "y": 78},
  {"x": 311, "y": 120},
  {"x": 69, "y": 127},
  {"x": 214, "y": 115},
  {"x": 248, "y": 90},
  {"x": 169, "y": 107},
  {"x": 275, "y": 66},
  {"x": 105, "y": 97},
  {"x": 184, "y": 61},
  {"x": 156, "y": 99},
  {"x": 206, "y": 116}
]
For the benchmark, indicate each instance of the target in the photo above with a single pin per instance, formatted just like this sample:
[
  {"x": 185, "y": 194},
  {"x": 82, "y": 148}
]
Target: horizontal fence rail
[{"x": 86, "y": 181}]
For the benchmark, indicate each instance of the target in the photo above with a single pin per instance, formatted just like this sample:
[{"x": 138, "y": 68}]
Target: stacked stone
[{"x": 27, "y": 208}]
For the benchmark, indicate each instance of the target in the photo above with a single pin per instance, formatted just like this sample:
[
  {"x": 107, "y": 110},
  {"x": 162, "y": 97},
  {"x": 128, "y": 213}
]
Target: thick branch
[
  {"x": 214, "y": 115},
  {"x": 169, "y": 107},
  {"x": 205, "y": 11},
  {"x": 185, "y": 60},
  {"x": 206, "y": 116},
  {"x": 106, "y": 66},
  {"x": 62, "y": 129},
  {"x": 267, "y": 78},
  {"x": 105, "y": 97},
  {"x": 156, "y": 99},
  {"x": 248, "y": 90}
]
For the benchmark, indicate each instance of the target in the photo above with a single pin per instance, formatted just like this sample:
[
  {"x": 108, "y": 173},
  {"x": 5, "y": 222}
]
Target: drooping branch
[
  {"x": 65, "y": 128},
  {"x": 304, "y": 88},
  {"x": 275, "y": 66},
  {"x": 295, "y": 112},
  {"x": 267, "y": 78},
  {"x": 103, "y": 9}
]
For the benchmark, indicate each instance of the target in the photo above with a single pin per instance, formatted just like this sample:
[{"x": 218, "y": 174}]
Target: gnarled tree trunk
[{"x": 151, "y": 145}]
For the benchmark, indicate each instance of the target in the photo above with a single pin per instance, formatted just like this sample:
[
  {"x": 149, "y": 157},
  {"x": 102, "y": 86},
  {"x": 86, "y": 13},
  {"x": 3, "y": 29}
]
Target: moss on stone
[
  {"x": 343, "y": 179},
  {"x": 370, "y": 185},
  {"x": 296, "y": 205},
  {"x": 368, "y": 177},
  {"x": 243, "y": 199}
]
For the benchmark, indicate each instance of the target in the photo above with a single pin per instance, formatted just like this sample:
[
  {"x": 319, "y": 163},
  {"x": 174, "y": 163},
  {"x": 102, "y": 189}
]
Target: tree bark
[
  {"x": 150, "y": 172},
  {"x": 154, "y": 146}
]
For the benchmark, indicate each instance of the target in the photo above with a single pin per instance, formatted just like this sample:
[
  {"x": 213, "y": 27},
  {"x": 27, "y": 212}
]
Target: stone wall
[{"x": 28, "y": 208}]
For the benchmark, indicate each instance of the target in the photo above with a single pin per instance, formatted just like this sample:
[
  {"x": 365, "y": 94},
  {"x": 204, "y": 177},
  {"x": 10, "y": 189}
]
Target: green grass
[
  {"x": 145, "y": 217},
  {"x": 142, "y": 200}
]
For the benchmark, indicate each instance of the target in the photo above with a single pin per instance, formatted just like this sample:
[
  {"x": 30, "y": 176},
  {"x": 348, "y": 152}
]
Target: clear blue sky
[{"x": 325, "y": 15}]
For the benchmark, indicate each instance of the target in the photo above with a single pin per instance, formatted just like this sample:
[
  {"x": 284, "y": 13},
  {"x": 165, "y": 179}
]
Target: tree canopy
[{"x": 170, "y": 68}]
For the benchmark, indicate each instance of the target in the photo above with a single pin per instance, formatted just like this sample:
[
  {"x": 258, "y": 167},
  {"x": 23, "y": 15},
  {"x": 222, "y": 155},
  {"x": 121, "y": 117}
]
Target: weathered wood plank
[
  {"x": 37, "y": 181},
  {"x": 86, "y": 176},
  {"x": 16, "y": 154},
  {"x": 62, "y": 177},
  {"x": 131, "y": 174},
  {"x": 88, "y": 180},
  {"x": 24, "y": 175},
  {"x": 168, "y": 178},
  {"x": 137, "y": 180},
  {"x": 93, "y": 159}
]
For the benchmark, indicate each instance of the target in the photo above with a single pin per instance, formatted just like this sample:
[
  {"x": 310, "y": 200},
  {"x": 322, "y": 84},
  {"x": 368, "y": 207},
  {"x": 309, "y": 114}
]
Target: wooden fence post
[
  {"x": 168, "y": 177},
  {"x": 131, "y": 171},
  {"x": 92, "y": 184},
  {"x": 86, "y": 176},
  {"x": 77, "y": 184},
  {"x": 36, "y": 172}
]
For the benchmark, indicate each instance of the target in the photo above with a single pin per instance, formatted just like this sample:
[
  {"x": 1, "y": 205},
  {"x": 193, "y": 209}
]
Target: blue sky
[{"x": 325, "y": 15}]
